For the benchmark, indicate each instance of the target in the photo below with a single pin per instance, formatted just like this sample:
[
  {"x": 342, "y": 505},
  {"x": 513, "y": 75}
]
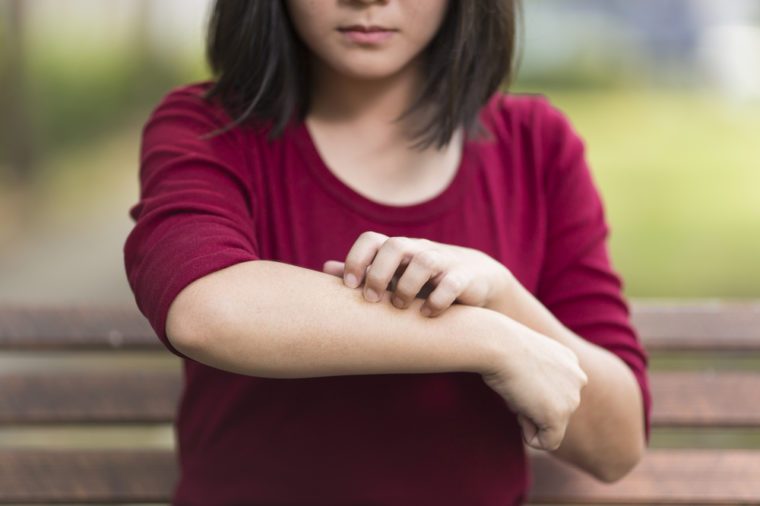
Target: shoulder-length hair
[{"x": 261, "y": 67}]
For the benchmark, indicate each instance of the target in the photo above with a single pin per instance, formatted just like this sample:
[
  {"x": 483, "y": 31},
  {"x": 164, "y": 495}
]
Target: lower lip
[{"x": 367, "y": 37}]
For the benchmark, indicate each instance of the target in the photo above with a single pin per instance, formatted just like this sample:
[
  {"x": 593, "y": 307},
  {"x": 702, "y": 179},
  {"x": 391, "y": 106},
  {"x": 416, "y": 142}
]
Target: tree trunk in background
[{"x": 15, "y": 122}]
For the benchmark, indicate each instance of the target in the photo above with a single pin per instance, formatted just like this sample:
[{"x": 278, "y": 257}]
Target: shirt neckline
[{"x": 382, "y": 212}]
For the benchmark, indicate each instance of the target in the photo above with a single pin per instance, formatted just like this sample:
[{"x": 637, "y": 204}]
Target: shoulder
[
  {"x": 535, "y": 128},
  {"x": 191, "y": 102},
  {"x": 191, "y": 91},
  {"x": 526, "y": 115},
  {"x": 186, "y": 126},
  {"x": 186, "y": 112},
  {"x": 187, "y": 105}
]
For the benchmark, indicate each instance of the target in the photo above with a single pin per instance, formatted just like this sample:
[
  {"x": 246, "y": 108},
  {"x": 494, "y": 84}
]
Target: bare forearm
[
  {"x": 272, "y": 319},
  {"x": 605, "y": 435}
]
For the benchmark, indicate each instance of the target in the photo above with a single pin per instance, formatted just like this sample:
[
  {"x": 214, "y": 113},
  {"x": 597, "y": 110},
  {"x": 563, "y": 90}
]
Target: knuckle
[
  {"x": 573, "y": 401},
  {"x": 449, "y": 255},
  {"x": 453, "y": 282},
  {"x": 428, "y": 259},
  {"x": 553, "y": 415},
  {"x": 369, "y": 234},
  {"x": 396, "y": 243},
  {"x": 563, "y": 411},
  {"x": 424, "y": 243}
]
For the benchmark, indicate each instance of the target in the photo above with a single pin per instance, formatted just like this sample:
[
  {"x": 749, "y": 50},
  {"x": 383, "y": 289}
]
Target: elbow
[
  {"x": 192, "y": 317},
  {"x": 181, "y": 330},
  {"x": 210, "y": 311},
  {"x": 187, "y": 346},
  {"x": 614, "y": 471}
]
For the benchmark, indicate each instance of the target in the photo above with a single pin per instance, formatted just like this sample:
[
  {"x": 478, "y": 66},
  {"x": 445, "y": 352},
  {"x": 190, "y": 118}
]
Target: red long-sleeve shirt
[{"x": 527, "y": 198}]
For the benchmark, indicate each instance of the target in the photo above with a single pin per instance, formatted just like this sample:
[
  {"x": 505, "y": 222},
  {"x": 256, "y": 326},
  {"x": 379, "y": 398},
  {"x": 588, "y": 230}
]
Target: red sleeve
[
  {"x": 195, "y": 211},
  {"x": 578, "y": 283}
]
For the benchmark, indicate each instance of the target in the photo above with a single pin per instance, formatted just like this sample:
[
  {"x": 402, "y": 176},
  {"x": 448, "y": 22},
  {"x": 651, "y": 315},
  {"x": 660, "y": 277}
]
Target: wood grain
[{"x": 693, "y": 477}]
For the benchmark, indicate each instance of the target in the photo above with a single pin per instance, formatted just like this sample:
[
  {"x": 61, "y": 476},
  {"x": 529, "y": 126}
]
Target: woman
[{"x": 349, "y": 153}]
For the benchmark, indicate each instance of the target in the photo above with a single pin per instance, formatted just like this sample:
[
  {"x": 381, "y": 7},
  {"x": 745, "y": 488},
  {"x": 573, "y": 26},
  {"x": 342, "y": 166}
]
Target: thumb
[
  {"x": 530, "y": 432},
  {"x": 334, "y": 268}
]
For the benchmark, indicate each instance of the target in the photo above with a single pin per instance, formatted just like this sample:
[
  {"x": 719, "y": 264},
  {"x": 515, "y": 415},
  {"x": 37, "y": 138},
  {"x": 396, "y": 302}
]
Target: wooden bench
[{"x": 88, "y": 395}]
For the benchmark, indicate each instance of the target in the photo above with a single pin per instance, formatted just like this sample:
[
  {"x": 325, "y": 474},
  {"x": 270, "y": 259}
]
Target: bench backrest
[{"x": 89, "y": 395}]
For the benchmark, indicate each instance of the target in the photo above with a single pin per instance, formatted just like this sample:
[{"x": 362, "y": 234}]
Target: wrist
[
  {"x": 502, "y": 291},
  {"x": 500, "y": 339}
]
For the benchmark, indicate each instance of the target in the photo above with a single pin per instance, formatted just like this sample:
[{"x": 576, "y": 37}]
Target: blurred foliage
[
  {"x": 73, "y": 103},
  {"x": 677, "y": 168},
  {"x": 678, "y": 176},
  {"x": 75, "y": 92}
]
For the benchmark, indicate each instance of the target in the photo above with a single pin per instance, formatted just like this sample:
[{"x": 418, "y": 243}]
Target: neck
[{"x": 364, "y": 103}]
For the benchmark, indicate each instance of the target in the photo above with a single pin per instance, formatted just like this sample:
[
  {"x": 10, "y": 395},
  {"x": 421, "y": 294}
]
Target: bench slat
[
  {"x": 704, "y": 325},
  {"x": 93, "y": 476},
  {"x": 705, "y": 399},
  {"x": 681, "y": 399},
  {"x": 71, "y": 327},
  {"x": 693, "y": 477},
  {"x": 696, "y": 477},
  {"x": 123, "y": 397},
  {"x": 662, "y": 325}
]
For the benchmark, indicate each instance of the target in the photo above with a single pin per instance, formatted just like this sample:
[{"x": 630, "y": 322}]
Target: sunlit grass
[{"x": 680, "y": 177}]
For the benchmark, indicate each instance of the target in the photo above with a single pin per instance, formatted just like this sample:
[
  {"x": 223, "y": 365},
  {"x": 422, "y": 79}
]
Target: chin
[{"x": 369, "y": 69}]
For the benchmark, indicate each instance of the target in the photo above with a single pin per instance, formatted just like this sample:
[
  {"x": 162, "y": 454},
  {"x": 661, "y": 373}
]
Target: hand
[
  {"x": 541, "y": 380},
  {"x": 441, "y": 273}
]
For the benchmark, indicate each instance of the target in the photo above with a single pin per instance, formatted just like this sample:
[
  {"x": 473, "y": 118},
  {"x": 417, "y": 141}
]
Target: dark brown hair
[{"x": 261, "y": 67}]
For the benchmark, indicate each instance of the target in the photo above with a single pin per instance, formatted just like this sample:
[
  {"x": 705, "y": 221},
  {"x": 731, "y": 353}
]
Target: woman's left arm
[
  {"x": 578, "y": 299},
  {"x": 605, "y": 435}
]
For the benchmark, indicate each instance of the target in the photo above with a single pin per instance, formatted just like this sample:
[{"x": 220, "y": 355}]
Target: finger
[
  {"x": 393, "y": 254},
  {"x": 360, "y": 257},
  {"x": 451, "y": 285},
  {"x": 423, "y": 266},
  {"x": 529, "y": 431},
  {"x": 333, "y": 267},
  {"x": 550, "y": 437}
]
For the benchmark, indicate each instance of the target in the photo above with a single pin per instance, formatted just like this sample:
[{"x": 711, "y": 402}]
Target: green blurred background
[{"x": 666, "y": 95}]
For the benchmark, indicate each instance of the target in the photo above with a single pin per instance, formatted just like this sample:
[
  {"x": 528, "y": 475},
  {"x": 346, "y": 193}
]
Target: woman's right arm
[
  {"x": 271, "y": 319},
  {"x": 192, "y": 261}
]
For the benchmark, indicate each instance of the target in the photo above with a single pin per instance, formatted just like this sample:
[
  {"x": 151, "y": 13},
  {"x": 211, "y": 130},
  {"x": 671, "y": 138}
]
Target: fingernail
[
  {"x": 397, "y": 302},
  {"x": 371, "y": 295},
  {"x": 425, "y": 311},
  {"x": 351, "y": 281}
]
